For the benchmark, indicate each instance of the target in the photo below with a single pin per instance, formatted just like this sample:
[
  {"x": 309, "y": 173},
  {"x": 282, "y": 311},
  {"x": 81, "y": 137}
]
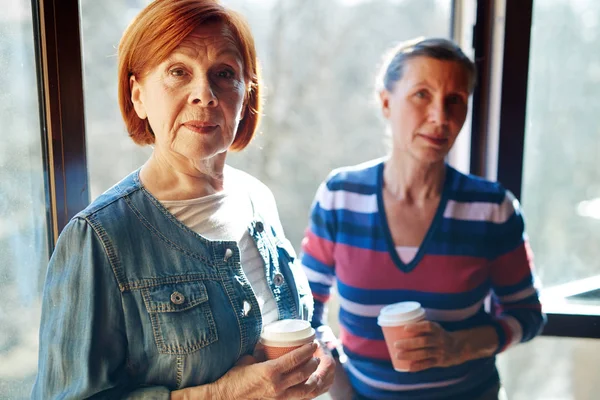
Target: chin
[{"x": 429, "y": 156}]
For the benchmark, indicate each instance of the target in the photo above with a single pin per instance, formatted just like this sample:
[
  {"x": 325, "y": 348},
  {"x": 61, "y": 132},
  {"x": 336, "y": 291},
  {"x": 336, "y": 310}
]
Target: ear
[
  {"x": 136, "y": 98},
  {"x": 247, "y": 93},
  {"x": 384, "y": 97}
]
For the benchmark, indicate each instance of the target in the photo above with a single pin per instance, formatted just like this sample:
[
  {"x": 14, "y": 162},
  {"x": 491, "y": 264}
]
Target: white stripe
[
  {"x": 317, "y": 277},
  {"x": 523, "y": 294},
  {"x": 515, "y": 328},
  {"x": 339, "y": 199},
  {"x": 364, "y": 310},
  {"x": 453, "y": 315},
  {"x": 396, "y": 386},
  {"x": 478, "y": 211}
]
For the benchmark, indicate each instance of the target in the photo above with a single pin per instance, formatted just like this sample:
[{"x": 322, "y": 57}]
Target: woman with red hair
[{"x": 160, "y": 288}]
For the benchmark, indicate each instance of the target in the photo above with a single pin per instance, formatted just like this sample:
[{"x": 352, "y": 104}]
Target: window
[
  {"x": 561, "y": 197},
  {"x": 23, "y": 231}
]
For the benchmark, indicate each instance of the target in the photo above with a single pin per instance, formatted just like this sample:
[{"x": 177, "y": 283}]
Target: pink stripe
[
  {"x": 368, "y": 269},
  {"x": 319, "y": 248},
  {"x": 364, "y": 347},
  {"x": 511, "y": 268},
  {"x": 320, "y": 297}
]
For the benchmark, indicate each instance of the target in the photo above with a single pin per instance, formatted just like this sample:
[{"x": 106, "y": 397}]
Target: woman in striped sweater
[{"x": 408, "y": 227}]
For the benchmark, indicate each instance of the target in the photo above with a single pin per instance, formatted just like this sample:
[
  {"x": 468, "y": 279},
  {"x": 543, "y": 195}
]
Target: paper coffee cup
[
  {"x": 392, "y": 320},
  {"x": 281, "y": 337}
]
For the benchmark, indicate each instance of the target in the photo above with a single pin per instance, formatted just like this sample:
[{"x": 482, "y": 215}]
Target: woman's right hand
[{"x": 287, "y": 377}]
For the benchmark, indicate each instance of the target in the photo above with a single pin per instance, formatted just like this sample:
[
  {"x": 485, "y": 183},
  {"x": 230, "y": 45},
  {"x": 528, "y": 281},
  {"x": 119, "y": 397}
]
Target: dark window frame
[
  {"x": 60, "y": 88},
  {"x": 513, "y": 108}
]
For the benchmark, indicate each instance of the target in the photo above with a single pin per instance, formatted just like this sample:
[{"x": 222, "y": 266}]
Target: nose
[
  {"x": 203, "y": 93},
  {"x": 438, "y": 112}
]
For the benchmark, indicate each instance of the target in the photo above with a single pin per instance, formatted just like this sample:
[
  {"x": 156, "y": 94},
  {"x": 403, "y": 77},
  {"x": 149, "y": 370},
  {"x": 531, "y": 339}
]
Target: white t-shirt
[{"x": 226, "y": 216}]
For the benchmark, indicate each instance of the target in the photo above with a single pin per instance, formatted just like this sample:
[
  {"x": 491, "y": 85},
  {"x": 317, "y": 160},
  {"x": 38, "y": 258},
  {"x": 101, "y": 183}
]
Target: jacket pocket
[{"x": 182, "y": 321}]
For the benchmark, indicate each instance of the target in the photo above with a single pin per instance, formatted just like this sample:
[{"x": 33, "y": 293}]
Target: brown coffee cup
[
  {"x": 393, "y": 319},
  {"x": 281, "y": 337}
]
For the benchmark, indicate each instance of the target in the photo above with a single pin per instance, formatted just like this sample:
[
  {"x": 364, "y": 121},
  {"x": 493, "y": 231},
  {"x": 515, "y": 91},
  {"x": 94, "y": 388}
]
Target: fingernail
[{"x": 311, "y": 381}]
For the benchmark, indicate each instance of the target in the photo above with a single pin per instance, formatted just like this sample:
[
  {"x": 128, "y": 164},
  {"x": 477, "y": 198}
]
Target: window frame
[
  {"x": 59, "y": 69},
  {"x": 60, "y": 88},
  {"x": 497, "y": 150}
]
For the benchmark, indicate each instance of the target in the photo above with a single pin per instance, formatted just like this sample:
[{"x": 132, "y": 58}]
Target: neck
[
  {"x": 169, "y": 179},
  {"x": 408, "y": 179}
]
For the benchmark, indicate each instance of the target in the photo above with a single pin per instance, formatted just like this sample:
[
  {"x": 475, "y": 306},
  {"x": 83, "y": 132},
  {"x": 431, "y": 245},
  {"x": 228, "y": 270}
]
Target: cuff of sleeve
[
  {"x": 502, "y": 336},
  {"x": 150, "y": 393}
]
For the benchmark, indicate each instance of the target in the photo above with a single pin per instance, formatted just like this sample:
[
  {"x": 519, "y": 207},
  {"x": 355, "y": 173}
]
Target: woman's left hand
[
  {"x": 431, "y": 346},
  {"x": 324, "y": 374}
]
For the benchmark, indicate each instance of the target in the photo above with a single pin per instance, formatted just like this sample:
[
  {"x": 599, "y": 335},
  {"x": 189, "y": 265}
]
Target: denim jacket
[{"x": 136, "y": 304}]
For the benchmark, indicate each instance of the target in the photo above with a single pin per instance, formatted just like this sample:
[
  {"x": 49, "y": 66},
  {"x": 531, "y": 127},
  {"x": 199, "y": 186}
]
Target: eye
[
  {"x": 226, "y": 73},
  {"x": 421, "y": 94},
  {"x": 177, "y": 72},
  {"x": 455, "y": 99}
]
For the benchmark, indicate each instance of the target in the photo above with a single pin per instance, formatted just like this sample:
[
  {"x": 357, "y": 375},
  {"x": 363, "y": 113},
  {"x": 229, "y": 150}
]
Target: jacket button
[
  {"x": 278, "y": 279},
  {"x": 177, "y": 298},
  {"x": 228, "y": 254},
  {"x": 260, "y": 227}
]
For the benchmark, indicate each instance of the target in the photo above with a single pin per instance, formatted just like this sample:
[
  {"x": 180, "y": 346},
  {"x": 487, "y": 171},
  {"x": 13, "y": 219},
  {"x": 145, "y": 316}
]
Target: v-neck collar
[{"x": 434, "y": 223}]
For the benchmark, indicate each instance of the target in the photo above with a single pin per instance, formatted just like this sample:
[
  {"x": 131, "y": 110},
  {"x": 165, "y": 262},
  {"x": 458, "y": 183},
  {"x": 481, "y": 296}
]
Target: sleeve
[
  {"x": 516, "y": 306},
  {"x": 83, "y": 345},
  {"x": 317, "y": 251}
]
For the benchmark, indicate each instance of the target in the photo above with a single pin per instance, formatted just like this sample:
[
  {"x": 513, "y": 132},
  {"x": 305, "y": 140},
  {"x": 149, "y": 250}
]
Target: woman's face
[
  {"x": 427, "y": 108},
  {"x": 194, "y": 99}
]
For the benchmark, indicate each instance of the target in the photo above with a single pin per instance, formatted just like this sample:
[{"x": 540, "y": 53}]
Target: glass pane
[
  {"x": 561, "y": 189},
  {"x": 561, "y": 196},
  {"x": 23, "y": 233},
  {"x": 111, "y": 153}
]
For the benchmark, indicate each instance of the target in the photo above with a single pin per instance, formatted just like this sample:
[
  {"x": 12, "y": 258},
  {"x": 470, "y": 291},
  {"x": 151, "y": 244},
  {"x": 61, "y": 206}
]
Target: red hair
[{"x": 160, "y": 28}]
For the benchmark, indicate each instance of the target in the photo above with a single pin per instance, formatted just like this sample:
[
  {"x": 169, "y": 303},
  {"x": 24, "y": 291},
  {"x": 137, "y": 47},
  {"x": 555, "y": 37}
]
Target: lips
[
  {"x": 201, "y": 126},
  {"x": 435, "y": 140}
]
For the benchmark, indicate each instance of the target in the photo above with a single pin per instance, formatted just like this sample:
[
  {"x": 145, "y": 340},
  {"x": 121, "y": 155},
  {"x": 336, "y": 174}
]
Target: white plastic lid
[
  {"x": 400, "y": 314},
  {"x": 287, "y": 332}
]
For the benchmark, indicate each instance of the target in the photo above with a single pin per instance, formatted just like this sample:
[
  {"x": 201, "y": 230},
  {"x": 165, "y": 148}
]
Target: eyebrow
[
  {"x": 425, "y": 84},
  {"x": 191, "y": 52}
]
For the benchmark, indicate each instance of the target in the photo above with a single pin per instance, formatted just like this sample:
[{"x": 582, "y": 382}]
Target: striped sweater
[{"x": 474, "y": 258}]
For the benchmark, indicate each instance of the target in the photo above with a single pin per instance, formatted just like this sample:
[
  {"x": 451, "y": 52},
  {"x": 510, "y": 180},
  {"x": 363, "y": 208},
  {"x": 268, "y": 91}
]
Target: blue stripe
[
  {"x": 354, "y": 217},
  {"x": 348, "y": 228},
  {"x": 318, "y": 314},
  {"x": 319, "y": 288},
  {"x": 366, "y": 327},
  {"x": 476, "y": 197},
  {"x": 443, "y": 301},
  {"x": 312, "y": 263},
  {"x": 508, "y": 290},
  {"x": 321, "y": 223},
  {"x": 383, "y": 371},
  {"x": 531, "y": 322},
  {"x": 483, "y": 375},
  {"x": 359, "y": 188}
]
